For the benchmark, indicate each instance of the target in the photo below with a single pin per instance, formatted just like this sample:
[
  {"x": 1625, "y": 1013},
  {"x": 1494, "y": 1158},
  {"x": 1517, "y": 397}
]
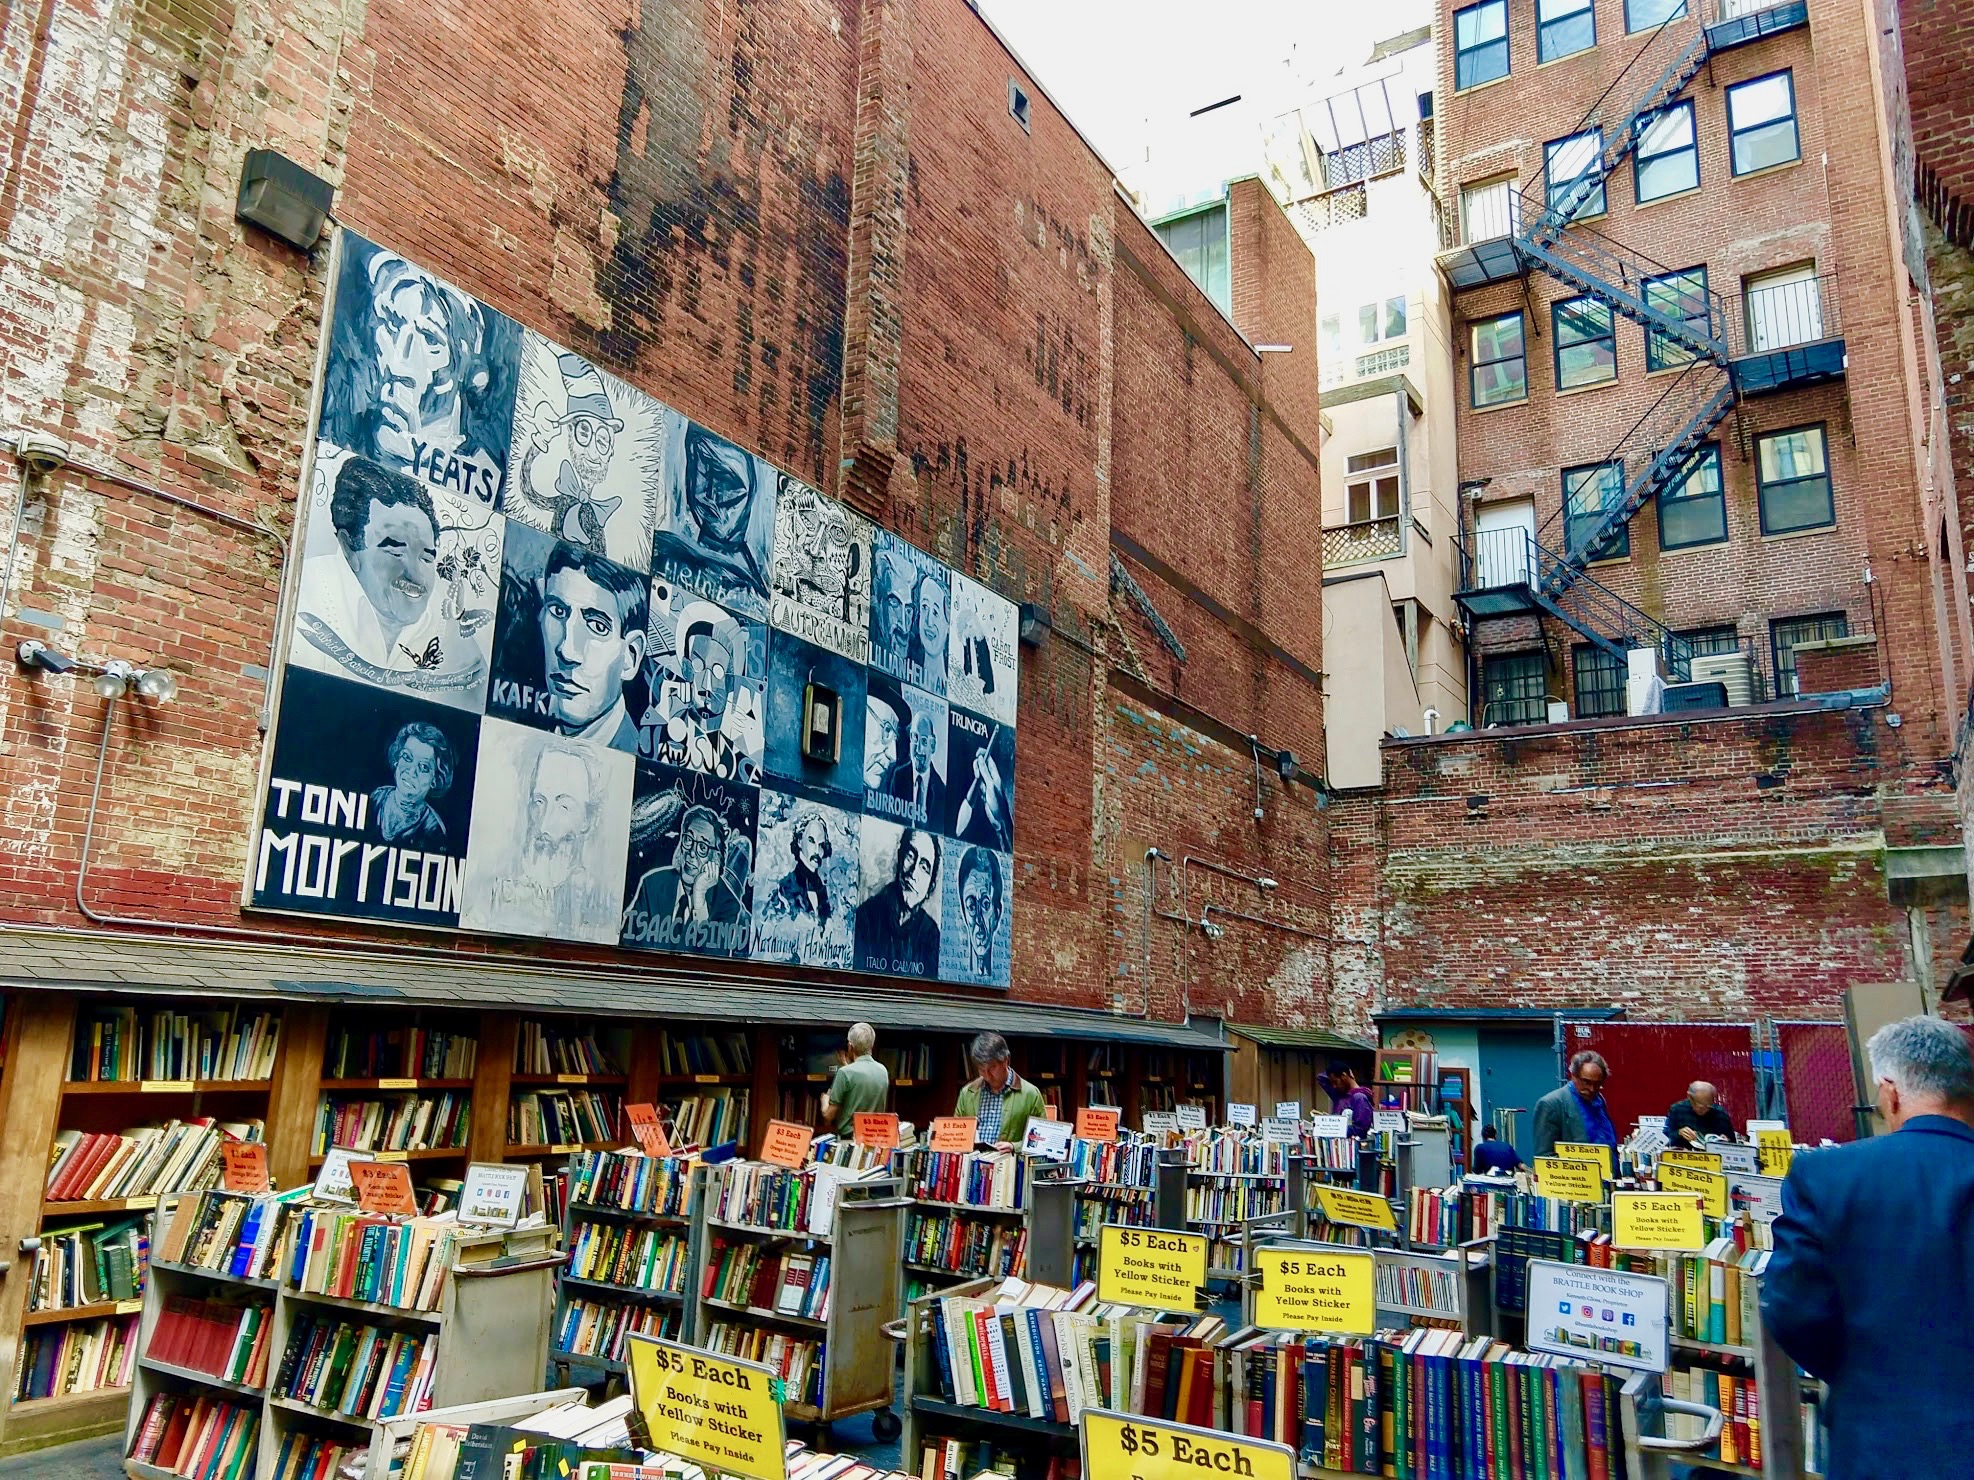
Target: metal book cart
[{"x": 588, "y": 1369}]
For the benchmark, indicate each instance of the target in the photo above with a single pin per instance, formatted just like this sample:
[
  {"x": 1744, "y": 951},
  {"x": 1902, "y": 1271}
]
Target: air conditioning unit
[
  {"x": 1682, "y": 696},
  {"x": 1730, "y": 670}
]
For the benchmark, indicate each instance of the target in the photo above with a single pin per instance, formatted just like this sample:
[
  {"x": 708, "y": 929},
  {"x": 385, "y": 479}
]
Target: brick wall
[{"x": 1838, "y": 665}]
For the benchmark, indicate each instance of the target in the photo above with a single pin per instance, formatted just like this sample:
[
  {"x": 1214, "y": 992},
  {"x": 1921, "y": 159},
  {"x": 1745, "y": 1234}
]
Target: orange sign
[
  {"x": 786, "y": 1143},
  {"x": 643, "y": 1120},
  {"x": 876, "y": 1129},
  {"x": 244, "y": 1166},
  {"x": 1095, "y": 1124},
  {"x": 383, "y": 1187},
  {"x": 954, "y": 1132}
]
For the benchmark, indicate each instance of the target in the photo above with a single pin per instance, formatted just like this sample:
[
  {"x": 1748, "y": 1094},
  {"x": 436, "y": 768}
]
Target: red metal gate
[
  {"x": 1816, "y": 1080},
  {"x": 1652, "y": 1064}
]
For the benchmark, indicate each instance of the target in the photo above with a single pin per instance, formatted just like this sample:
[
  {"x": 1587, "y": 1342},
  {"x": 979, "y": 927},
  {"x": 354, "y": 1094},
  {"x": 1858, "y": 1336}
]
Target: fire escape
[{"x": 1509, "y": 572}]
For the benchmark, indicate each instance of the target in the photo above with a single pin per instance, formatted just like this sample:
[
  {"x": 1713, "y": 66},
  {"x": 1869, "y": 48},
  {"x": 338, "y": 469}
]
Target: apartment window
[
  {"x": 1500, "y": 361},
  {"x": 1678, "y": 295},
  {"x": 1199, "y": 241},
  {"x": 1565, "y": 163},
  {"x": 1586, "y": 338},
  {"x": 1761, "y": 123},
  {"x": 1693, "y": 511},
  {"x": 1480, "y": 43},
  {"x": 1784, "y": 307},
  {"x": 1489, "y": 210},
  {"x": 1642, "y": 15},
  {"x": 1590, "y": 494},
  {"x": 1563, "y": 28},
  {"x": 1792, "y": 472},
  {"x": 1706, "y": 641},
  {"x": 1371, "y": 485},
  {"x": 1514, "y": 689},
  {"x": 1332, "y": 335},
  {"x": 1377, "y": 321},
  {"x": 1668, "y": 159},
  {"x": 1786, "y": 637},
  {"x": 1600, "y": 682}
]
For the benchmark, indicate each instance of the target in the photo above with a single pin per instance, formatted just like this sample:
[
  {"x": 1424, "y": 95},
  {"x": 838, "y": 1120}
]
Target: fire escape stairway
[{"x": 1513, "y": 558}]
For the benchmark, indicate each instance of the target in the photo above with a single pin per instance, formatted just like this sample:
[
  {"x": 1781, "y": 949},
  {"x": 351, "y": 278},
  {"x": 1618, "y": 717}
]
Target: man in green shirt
[
  {"x": 1000, "y": 1100},
  {"x": 861, "y": 1084}
]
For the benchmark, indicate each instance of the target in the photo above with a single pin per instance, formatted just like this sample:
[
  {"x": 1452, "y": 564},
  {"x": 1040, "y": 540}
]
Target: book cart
[
  {"x": 1033, "y": 1234},
  {"x": 625, "y": 1227}
]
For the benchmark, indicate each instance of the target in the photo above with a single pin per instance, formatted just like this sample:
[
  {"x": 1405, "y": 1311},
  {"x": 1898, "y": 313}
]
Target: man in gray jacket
[{"x": 1575, "y": 1111}]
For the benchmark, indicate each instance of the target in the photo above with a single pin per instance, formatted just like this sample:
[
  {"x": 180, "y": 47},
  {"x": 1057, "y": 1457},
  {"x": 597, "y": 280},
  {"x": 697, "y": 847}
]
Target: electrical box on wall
[{"x": 822, "y": 723}]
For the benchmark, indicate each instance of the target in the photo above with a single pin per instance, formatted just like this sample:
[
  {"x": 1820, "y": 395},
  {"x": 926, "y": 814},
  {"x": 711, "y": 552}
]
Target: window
[
  {"x": 1784, "y": 307},
  {"x": 1382, "y": 321},
  {"x": 1590, "y": 494},
  {"x": 1566, "y": 163},
  {"x": 1600, "y": 682},
  {"x": 1563, "y": 28},
  {"x": 1515, "y": 689},
  {"x": 1668, "y": 159},
  {"x": 1693, "y": 510},
  {"x": 1018, "y": 103},
  {"x": 1761, "y": 123},
  {"x": 1705, "y": 641},
  {"x": 1371, "y": 486},
  {"x": 1199, "y": 241},
  {"x": 1787, "y": 636},
  {"x": 1480, "y": 43},
  {"x": 1678, "y": 295},
  {"x": 1642, "y": 15},
  {"x": 1586, "y": 338},
  {"x": 1489, "y": 210},
  {"x": 1500, "y": 367},
  {"x": 1395, "y": 317},
  {"x": 1792, "y": 472},
  {"x": 1332, "y": 336}
]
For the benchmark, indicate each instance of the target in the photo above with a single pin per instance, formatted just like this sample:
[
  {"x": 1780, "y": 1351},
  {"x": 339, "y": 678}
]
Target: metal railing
[
  {"x": 1486, "y": 215},
  {"x": 1368, "y": 539},
  {"x": 1428, "y": 139},
  {"x": 1332, "y": 207},
  {"x": 1600, "y": 261},
  {"x": 1783, "y": 315},
  {"x": 1734, "y": 10},
  {"x": 1368, "y": 159}
]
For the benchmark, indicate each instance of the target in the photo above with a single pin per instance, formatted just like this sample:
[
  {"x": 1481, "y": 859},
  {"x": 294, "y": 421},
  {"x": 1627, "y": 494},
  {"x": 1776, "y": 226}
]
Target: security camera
[
  {"x": 1213, "y": 932},
  {"x": 40, "y": 452},
  {"x": 34, "y": 653},
  {"x": 1259, "y": 814}
]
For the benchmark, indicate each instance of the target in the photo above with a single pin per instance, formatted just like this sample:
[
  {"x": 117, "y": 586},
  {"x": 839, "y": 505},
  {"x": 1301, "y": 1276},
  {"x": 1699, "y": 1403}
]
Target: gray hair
[
  {"x": 1588, "y": 1056},
  {"x": 862, "y": 1037},
  {"x": 988, "y": 1048},
  {"x": 1926, "y": 1057}
]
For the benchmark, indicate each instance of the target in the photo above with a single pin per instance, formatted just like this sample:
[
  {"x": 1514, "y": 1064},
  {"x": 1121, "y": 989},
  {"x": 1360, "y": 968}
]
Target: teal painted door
[{"x": 1518, "y": 1067}]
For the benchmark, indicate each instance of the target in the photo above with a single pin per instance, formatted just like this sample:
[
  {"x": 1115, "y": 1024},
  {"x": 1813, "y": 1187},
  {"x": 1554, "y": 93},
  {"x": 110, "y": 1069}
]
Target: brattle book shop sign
[{"x": 564, "y": 664}]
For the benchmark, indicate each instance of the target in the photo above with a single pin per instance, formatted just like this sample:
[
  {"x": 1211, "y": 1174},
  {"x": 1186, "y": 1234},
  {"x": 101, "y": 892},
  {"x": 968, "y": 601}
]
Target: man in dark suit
[
  {"x": 917, "y": 778},
  {"x": 1871, "y": 1286},
  {"x": 1575, "y": 1111}
]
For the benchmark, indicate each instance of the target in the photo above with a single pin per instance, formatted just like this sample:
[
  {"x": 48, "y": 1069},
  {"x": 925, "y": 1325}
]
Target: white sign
[
  {"x": 1193, "y": 1117},
  {"x": 1333, "y": 1125},
  {"x": 1652, "y": 1123},
  {"x": 1646, "y": 1141},
  {"x": 1160, "y": 1122},
  {"x": 1736, "y": 1157},
  {"x": 334, "y": 1183},
  {"x": 1756, "y": 1127},
  {"x": 1049, "y": 1139},
  {"x": 1240, "y": 1114},
  {"x": 1288, "y": 1109},
  {"x": 1388, "y": 1120},
  {"x": 1762, "y": 1196},
  {"x": 493, "y": 1195},
  {"x": 1280, "y": 1132},
  {"x": 1597, "y": 1315}
]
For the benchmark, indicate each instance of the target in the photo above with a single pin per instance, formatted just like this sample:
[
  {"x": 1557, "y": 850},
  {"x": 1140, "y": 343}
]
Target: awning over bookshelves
[
  {"x": 50, "y": 960},
  {"x": 1272, "y": 1037}
]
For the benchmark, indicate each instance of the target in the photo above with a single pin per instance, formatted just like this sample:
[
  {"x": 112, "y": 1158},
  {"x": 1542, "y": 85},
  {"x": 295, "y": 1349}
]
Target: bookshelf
[
  {"x": 626, "y": 1227},
  {"x": 924, "y": 1407}
]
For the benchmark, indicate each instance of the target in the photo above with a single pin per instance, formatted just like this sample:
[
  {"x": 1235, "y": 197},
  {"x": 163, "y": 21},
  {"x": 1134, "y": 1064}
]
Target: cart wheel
[{"x": 884, "y": 1425}]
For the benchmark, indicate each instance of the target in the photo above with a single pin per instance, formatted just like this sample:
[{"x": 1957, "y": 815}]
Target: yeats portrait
[
  {"x": 980, "y": 655},
  {"x": 716, "y": 520},
  {"x": 978, "y": 931},
  {"x": 707, "y": 676},
  {"x": 898, "y": 922},
  {"x": 792, "y": 666},
  {"x": 398, "y": 582},
  {"x": 691, "y": 872},
  {"x": 805, "y": 883},
  {"x": 821, "y": 575},
  {"x": 908, "y": 614},
  {"x": 420, "y": 376}
]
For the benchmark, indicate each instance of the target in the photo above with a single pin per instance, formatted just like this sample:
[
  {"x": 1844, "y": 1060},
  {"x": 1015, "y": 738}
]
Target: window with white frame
[
  {"x": 1377, "y": 322},
  {"x": 1668, "y": 158},
  {"x": 1371, "y": 486},
  {"x": 1792, "y": 480}
]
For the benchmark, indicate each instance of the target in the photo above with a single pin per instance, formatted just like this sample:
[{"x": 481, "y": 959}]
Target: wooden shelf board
[
  {"x": 142, "y": 1204},
  {"x": 568, "y": 1081},
  {"x": 101, "y": 1310},
  {"x": 423, "y": 1317},
  {"x": 965, "y": 1413},
  {"x": 582, "y": 1359},
  {"x": 309, "y": 1410},
  {"x": 598, "y": 1210},
  {"x": 714, "y": 1080},
  {"x": 561, "y": 1148},
  {"x": 955, "y": 1275},
  {"x": 801, "y": 1233},
  {"x": 621, "y": 1292},
  {"x": 807, "y": 1323},
  {"x": 422, "y": 1153},
  {"x": 393, "y": 1084},
  {"x": 952, "y": 1207},
  {"x": 25, "y": 1406},
  {"x": 208, "y": 1379},
  {"x": 138, "y": 1470},
  {"x": 165, "y": 1086}
]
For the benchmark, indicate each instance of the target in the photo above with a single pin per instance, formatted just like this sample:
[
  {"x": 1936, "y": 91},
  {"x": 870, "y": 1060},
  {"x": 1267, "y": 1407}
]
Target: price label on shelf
[
  {"x": 1315, "y": 1290},
  {"x": 1152, "y": 1267},
  {"x": 129, "y": 1307},
  {"x": 1569, "y": 1180},
  {"x": 1332, "y": 1127},
  {"x": 1238, "y": 1114},
  {"x": 397, "y": 1084},
  {"x": 705, "y": 1079},
  {"x": 786, "y": 1143},
  {"x": 877, "y": 1129},
  {"x": 389, "y": 1156},
  {"x": 1657, "y": 1220},
  {"x": 334, "y": 1183},
  {"x": 1047, "y": 1139},
  {"x": 572, "y": 1079},
  {"x": 1280, "y": 1132},
  {"x": 645, "y": 1127},
  {"x": 243, "y": 1166},
  {"x": 1358, "y": 1209},
  {"x": 1775, "y": 1152},
  {"x": 1595, "y": 1151},
  {"x": 1192, "y": 1117},
  {"x": 716, "y": 1411},
  {"x": 1711, "y": 1186},
  {"x": 1096, "y": 1123},
  {"x": 1161, "y": 1123},
  {"x": 1288, "y": 1109},
  {"x": 1120, "y": 1446},
  {"x": 1705, "y": 1161},
  {"x": 954, "y": 1132},
  {"x": 494, "y": 1196},
  {"x": 1389, "y": 1120},
  {"x": 164, "y": 1086},
  {"x": 383, "y": 1187}
]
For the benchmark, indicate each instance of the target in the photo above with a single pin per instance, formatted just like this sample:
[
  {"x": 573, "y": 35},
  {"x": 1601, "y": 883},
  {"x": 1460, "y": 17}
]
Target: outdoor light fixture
[
  {"x": 1274, "y": 349},
  {"x": 1285, "y": 764},
  {"x": 283, "y": 199},
  {"x": 1035, "y": 624},
  {"x": 111, "y": 679},
  {"x": 33, "y": 654},
  {"x": 1265, "y": 883}
]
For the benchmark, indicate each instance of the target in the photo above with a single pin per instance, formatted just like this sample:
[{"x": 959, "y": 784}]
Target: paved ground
[{"x": 90, "y": 1459}]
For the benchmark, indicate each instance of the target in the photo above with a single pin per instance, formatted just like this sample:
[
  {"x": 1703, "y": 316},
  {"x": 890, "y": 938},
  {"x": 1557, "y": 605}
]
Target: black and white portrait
[
  {"x": 547, "y": 857},
  {"x": 419, "y": 376},
  {"x": 821, "y": 573},
  {"x": 398, "y": 582},
  {"x": 898, "y": 921},
  {"x": 980, "y": 655},
  {"x": 706, "y": 672},
  {"x": 716, "y": 520},
  {"x": 980, "y": 780},
  {"x": 691, "y": 873},
  {"x": 978, "y": 933},
  {"x": 904, "y": 753},
  {"x": 366, "y": 811},
  {"x": 587, "y": 462},
  {"x": 569, "y": 654},
  {"x": 806, "y": 876},
  {"x": 910, "y": 598},
  {"x": 793, "y": 665}
]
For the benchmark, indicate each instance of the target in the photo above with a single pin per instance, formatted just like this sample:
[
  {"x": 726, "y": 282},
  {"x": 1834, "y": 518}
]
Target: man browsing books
[
  {"x": 1000, "y": 1100},
  {"x": 1575, "y": 1111},
  {"x": 862, "y": 1084},
  {"x": 1698, "y": 1116}
]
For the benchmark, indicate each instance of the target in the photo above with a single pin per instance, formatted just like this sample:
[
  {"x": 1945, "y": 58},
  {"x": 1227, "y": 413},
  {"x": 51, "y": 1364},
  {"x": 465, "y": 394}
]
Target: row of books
[
  {"x": 544, "y": 1048},
  {"x": 972, "y": 1248},
  {"x": 122, "y": 1045},
  {"x": 841, "y": 1151},
  {"x": 1222, "y": 1203},
  {"x": 981, "y": 1179},
  {"x": 595, "y": 1328},
  {"x": 358, "y": 1256},
  {"x": 1235, "y": 1151},
  {"x": 556, "y": 1443},
  {"x": 1128, "y": 1207},
  {"x": 787, "y": 1282},
  {"x": 178, "y": 1156},
  {"x": 708, "y": 1118},
  {"x": 199, "y": 1436},
  {"x": 352, "y": 1368},
  {"x": 1169, "y": 1097},
  {"x": 705, "y": 1053},
  {"x": 406, "y": 1122},
  {"x": 225, "y": 1339},
  {"x": 796, "y": 1361},
  {"x": 1448, "y": 1215},
  {"x": 305, "y": 1455},
  {"x": 636, "y": 1258},
  {"x": 944, "y": 1457},
  {"x": 1330, "y": 1153},
  {"x": 912, "y": 1061},
  {"x": 80, "y": 1357},
  {"x": 760, "y": 1196},
  {"x": 631, "y": 1183},
  {"x": 229, "y": 1233},
  {"x": 560, "y": 1117},
  {"x": 1714, "y": 1292},
  {"x": 1735, "y": 1396},
  {"x": 1129, "y": 1161},
  {"x": 88, "y": 1264},
  {"x": 399, "y": 1053}
]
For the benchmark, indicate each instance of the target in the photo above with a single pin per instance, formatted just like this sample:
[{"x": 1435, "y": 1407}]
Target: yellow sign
[
  {"x": 1359, "y": 1209},
  {"x": 1119, "y": 1446},
  {"x": 1595, "y": 1151},
  {"x": 1705, "y": 1161},
  {"x": 1150, "y": 1267},
  {"x": 1315, "y": 1290},
  {"x": 719, "y": 1412},
  {"x": 1776, "y": 1151},
  {"x": 1572, "y": 1181},
  {"x": 1657, "y": 1220},
  {"x": 1712, "y": 1186}
]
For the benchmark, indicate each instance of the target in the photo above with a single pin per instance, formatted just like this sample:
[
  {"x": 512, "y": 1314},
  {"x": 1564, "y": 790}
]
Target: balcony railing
[
  {"x": 1332, "y": 207},
  {"x": 1783, "y": 315},
  {"x": 1369, "y": 539},
  {"x": 1365, "y": 160},
  {"x": 1486, "y": 215},
  {"x": 1427, "y": 139}
]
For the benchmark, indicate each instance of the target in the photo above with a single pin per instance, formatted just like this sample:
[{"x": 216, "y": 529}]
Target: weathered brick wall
[{"x": 1833, "y": 667}]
